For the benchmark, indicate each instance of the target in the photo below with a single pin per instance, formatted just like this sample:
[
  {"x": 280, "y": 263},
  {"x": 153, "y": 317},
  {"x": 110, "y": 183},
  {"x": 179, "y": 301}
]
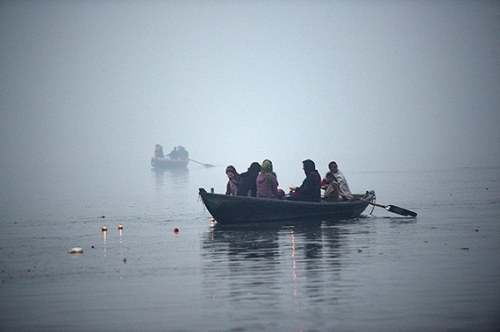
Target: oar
[
  {"x": 206, "y": 165},
  {"x": 390, "y": 208}
]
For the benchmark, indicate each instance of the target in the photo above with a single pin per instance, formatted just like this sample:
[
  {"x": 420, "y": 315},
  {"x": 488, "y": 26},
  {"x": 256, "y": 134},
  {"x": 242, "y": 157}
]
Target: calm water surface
[{"x": 381, "y": 272}]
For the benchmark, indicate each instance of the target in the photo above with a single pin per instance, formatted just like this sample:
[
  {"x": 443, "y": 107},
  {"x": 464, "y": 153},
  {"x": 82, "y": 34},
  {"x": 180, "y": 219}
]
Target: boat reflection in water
[
  {"x": 174, "y": 176},
  {"x": 276, "y": 269}
]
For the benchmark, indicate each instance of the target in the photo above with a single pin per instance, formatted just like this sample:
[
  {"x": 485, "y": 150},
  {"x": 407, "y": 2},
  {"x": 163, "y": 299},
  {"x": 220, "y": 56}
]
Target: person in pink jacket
[{"x": 267, "y": 182}]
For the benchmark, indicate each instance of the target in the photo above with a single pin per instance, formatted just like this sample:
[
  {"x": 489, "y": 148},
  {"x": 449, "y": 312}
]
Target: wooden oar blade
[{"x": 401, "y": 211}]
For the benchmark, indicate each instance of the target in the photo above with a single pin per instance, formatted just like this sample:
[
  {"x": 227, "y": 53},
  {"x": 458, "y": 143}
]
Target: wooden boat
[
  {"x": 168, "y": 163},
  {"x": 242, "y": 209}
]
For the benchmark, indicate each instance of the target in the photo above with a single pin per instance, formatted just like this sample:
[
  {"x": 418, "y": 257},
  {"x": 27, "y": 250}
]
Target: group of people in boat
[
  {"x": 178, "y": 152},
  {"x": 261, "y": 181}
]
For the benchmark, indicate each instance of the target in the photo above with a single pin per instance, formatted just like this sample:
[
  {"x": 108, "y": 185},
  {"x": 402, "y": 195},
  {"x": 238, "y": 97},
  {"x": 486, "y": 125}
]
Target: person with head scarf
[
  {"x": 267, "y": 182},
  {"x": 234, "y": 180},
  {"x": 310, "y": 190},
  {"x": 248, "y": 185}
]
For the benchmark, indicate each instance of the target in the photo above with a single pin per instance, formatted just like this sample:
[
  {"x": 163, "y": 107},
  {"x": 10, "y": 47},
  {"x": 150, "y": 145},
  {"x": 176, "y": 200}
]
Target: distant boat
[
  {"x": 177, "y": 158},
  {"x": 230, "y": 209},
  {"x": 169, "y": 163}
]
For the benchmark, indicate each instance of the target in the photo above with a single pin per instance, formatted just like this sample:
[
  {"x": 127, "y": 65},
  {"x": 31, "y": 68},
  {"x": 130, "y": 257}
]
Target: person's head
[
  {"x": 230, "y": 171},
  {"x": 267, "y": 166},
  {"x": 333, "y": 167},
  {"x": 330, "y": 177},
  {"x": 309, "y": 166},
  {"x": 267, "y": 169},
  {"x": 255, "y": 167}
]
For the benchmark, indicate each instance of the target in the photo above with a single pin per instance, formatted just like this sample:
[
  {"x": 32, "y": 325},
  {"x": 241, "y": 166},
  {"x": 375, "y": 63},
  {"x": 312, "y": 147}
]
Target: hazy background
[{"x": 374, "y": 85}]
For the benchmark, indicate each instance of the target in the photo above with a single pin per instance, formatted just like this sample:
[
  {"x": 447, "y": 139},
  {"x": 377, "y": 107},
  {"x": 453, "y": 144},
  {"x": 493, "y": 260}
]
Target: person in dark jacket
[
  {"x": 248, "y": 180},
  {"x": 310, "y": 190}
]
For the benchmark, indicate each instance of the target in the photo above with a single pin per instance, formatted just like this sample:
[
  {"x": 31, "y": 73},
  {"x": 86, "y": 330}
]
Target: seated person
[
  {"x": 159, "y": 151},
  {"x": 234, "y": 180},
  {"x": 182, "y": 152},
  {"x": 332, "y": 191},
  {"x": 267, "y": 183},
  {"x": 174, "y": 154},
  {"x": 248, "y": 183},
  {"x": 310, "y": 190},
  {"x": 341, "y": 180}
]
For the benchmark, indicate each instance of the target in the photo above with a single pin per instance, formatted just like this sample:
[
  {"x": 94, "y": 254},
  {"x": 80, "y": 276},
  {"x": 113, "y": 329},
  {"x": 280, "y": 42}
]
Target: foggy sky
[{"x": 374, "y": 85}]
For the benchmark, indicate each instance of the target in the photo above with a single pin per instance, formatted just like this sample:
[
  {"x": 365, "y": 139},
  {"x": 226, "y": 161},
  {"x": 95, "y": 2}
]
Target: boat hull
[
  {"x": 169, "y": 163},
  {"x": 241, "y": 209}
]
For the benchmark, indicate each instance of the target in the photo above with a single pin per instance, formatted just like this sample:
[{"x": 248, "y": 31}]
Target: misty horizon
[{"x": 374, "y": 86}]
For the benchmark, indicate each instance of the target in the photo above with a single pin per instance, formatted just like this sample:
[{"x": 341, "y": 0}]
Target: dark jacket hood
[
  {"x": 254, "y": 167},
  {"x": 309, "y": 166}
]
